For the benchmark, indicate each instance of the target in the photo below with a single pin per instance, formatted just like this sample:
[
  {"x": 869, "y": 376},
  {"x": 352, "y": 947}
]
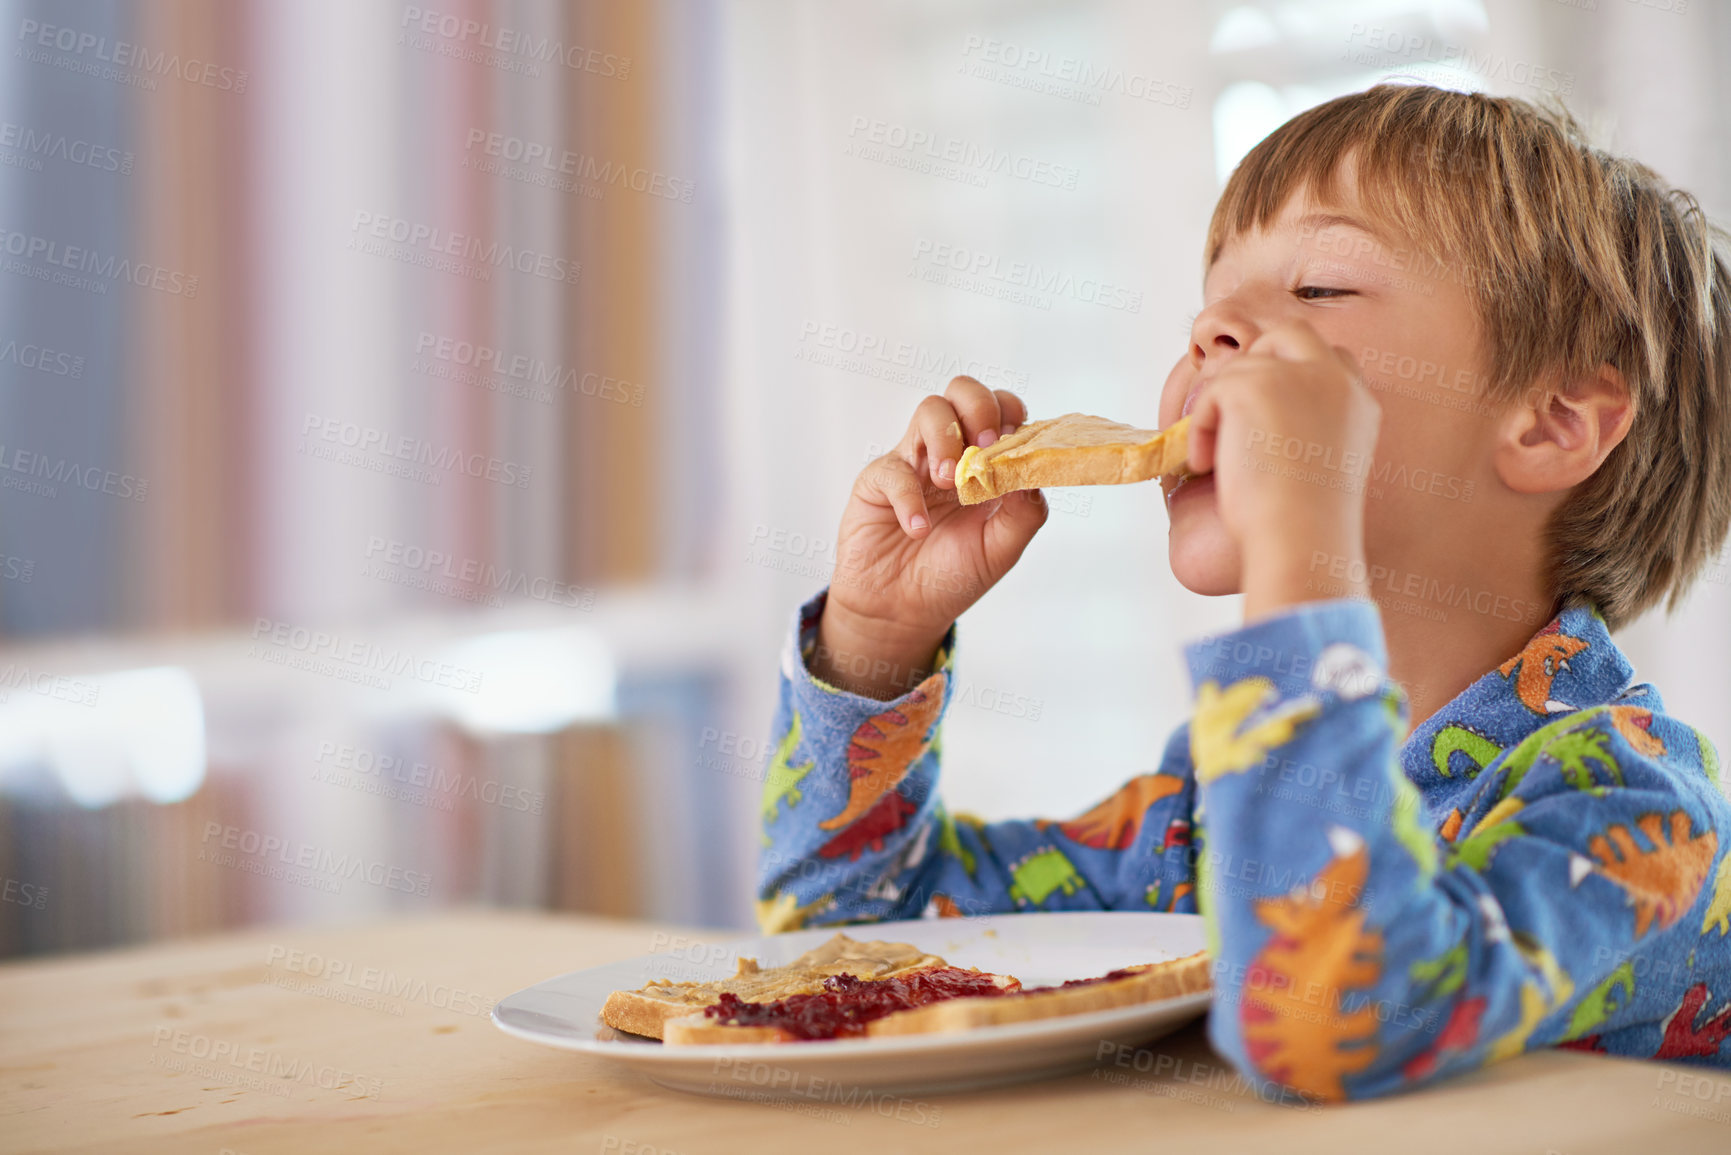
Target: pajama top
[{"x": 1545, "y": 862}]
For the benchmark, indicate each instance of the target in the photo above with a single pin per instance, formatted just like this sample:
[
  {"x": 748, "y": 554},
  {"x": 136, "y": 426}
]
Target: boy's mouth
[{"x": 1188, "y": 483}]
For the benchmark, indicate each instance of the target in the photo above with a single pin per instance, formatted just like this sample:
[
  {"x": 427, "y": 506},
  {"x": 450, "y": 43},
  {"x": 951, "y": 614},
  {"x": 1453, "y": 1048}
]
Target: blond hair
[{"x": 1573, "y": 259}]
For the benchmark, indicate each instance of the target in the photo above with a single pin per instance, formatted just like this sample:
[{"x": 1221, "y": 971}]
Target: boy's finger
[
  {"x": 1348, "y": 360},
  {"x": 977, "y": 406},
  {"x": 891, "y": 481},
  {"x": 1019, "y": 516},
  {"x": 1291, "y": 341},
  {"x": 1204, "y": 427},
  {"x": 935, "y": 441},
  {"x": 1011, "y": 412}
]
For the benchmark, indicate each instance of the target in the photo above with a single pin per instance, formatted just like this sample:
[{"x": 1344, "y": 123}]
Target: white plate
[{"x": 1040, "y": 949}]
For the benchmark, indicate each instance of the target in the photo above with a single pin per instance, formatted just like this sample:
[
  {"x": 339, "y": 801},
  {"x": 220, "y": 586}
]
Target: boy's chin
[{"x": 1204, "y": 557}]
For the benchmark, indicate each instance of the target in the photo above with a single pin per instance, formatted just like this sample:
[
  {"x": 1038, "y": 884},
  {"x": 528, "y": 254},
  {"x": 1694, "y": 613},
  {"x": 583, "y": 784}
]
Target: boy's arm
[
  {"x": 1358, "y": 952},
  {"x": 853, "y": 828}
]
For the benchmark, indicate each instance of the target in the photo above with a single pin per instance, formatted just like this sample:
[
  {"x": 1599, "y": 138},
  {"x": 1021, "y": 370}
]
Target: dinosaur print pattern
[
  {"x": 783, "y": 779},
  {"x": 1603, "y": 1001},
  {"x": 1222, "y": 739},
  {"x": 1536, "y": 667},
  {"x": 1664, "y": 879},
  {"x": 1580, "y": 749},
  {"x": 1635, "y": 724},
  {"x": 1541, "y": 862},
  {"x": 884, "y": 747},
  {"x": 1319, "y": 935},
  {"x": 1690, "y": 1036},
  {"x": 1458, "y": 1036},
  {"x": 886, "y": 817},
  {"x": 1115, "y": 823},
  {"x": 1454, "y": 739},
  {"x": 1496, "y": 828},
  {"x": 1041, "y": 874},
  {"x": 782, "y": 912},
  {"x": 1439, "y": 977},
  {"x": 1537, "y": 999},
  {"x": 1719, "y": 910}
]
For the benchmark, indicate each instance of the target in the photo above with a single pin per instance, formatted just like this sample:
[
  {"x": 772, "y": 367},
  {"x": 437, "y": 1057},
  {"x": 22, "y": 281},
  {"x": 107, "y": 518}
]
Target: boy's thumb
[{"x": 1026, "y": 510}]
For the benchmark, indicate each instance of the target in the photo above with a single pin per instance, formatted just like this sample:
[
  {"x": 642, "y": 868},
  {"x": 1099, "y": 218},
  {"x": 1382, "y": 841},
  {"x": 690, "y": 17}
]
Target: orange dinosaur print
[
  {"x": 883, "y": 747},
  {"x": 1114, "y": 823},
  {"x": 1539, "y": 662},
  {"x": 1295, "y": 1030},
  {"x": 1451, "y": 826},
  {"x": 1663, "y": 882},
  {"x": 1635, "y": 724},
  {"x": 945, "y": 906}
]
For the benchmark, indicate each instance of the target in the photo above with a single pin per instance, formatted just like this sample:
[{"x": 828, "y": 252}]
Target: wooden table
[{"x": 229, "y": 1045}]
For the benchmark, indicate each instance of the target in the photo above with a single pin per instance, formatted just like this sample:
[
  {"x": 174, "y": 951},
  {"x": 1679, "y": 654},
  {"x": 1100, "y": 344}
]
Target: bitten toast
[
  {"x": 1146, "y": 983},
  {"x": 644, "y": 1010},
  {"x": 1074, "y": 449}
]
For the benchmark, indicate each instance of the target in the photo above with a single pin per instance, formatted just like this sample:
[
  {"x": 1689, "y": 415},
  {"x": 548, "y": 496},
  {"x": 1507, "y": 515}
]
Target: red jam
[
  {"x": 847, "y": 1003},
  {"x": 1109, "y": 976}
]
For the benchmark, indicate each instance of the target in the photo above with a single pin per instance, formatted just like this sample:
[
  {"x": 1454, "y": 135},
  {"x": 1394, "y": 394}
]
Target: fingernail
[
  {"x": 947, "y": 468},
  {"x": 1006, "y": 430},
  {"x": 987, "y": 436},
  {"x": 917, "y": 522}
]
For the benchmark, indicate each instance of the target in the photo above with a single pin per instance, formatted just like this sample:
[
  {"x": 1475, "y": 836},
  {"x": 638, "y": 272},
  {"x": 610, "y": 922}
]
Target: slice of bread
[
  {"x": 645, "y": 1010},
  {"x": 1147, "y": 983},
  {"x": 1074, "y": 449},
  {"x": 699, "y": 1028}
]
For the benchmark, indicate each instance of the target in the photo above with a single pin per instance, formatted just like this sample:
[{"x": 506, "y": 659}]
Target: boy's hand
[
  {"x": 909, "y": 557},
  {"x": 1288, "y": 428}
]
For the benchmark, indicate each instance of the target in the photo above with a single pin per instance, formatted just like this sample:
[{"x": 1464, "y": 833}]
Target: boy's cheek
[{"x": 1172, "y": 393}]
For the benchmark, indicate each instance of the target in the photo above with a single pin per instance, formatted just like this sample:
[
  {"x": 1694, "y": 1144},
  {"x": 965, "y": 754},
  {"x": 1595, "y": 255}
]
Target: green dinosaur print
[
  {"x": 1404, "y": 820},
  {"x": 950, "y": 844},
  {"x": 1602, "y": 1002},
  {"x": 1516, "y": 765},
  {"x": 1152, "y": 895},
  {"x": 784, "y": 777},
  {"x": 1469, "y": 742},
  {"x": 1575, "y": 750},
  {"x": 1709, "y": 757},
  {"x": 1205, "y": 887},
  {"x": 1041, "y": 873},
  {"x": 1496, "y": 828},
  {"x": 1393, "y": 699},
  {"x": 1443, "y": 975}
]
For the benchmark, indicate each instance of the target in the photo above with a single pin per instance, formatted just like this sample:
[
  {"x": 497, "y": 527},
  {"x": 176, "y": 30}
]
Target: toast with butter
[{"x": 1074, "y": 449}]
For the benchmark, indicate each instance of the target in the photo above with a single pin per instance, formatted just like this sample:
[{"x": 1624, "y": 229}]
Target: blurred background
[{"x": 419, "y": 422}]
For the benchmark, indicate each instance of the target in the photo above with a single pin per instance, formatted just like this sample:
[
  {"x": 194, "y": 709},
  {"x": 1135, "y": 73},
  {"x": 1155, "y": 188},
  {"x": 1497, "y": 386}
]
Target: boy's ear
[{"x": 1554, "y": 438}]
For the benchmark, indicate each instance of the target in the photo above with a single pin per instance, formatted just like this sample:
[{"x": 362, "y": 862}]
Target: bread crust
[
  {"x": 1075, "y": 449},
  {"x": 1150, "y": 983}
]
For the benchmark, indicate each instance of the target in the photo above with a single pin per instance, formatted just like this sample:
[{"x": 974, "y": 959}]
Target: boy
[{"x": 1529, "y": 854}]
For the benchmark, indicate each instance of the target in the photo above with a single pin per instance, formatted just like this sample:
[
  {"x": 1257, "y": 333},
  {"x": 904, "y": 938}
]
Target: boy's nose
[{"x": 1218, "y": 333}]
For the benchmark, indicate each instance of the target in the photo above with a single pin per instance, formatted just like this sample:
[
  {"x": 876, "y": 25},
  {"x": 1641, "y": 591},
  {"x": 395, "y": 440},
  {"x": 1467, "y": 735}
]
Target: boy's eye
[{"x": 1319, "y": 293}]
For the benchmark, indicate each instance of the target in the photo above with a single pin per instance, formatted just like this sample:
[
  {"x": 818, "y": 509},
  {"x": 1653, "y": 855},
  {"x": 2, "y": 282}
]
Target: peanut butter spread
[
  {"x": 804, "y": 975},
  {"x": 1074, "y": 449}
]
